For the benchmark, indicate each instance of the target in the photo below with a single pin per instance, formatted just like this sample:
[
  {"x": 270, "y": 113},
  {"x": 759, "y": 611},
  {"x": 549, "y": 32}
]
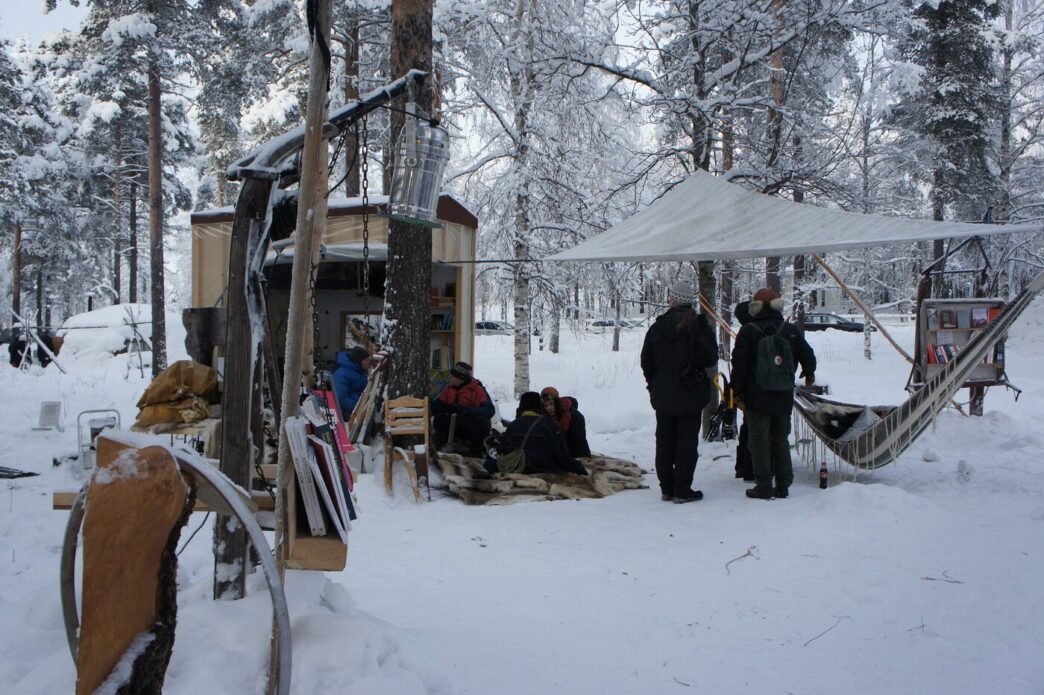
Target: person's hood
[
  {"x": 569, "y": 403},
  {"x": 665, "y": 327},
  {"x": 343, "y": 360},
  {"x": 742, "y": 312},
  {"x": 768, "y": 314}
]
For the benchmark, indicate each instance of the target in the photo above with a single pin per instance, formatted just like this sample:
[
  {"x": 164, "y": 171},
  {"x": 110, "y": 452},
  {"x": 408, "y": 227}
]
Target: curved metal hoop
[{"x": 214, "y": 482}]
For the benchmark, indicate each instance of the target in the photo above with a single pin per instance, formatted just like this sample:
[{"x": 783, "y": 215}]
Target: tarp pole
[
  {"x": 859, "y": 303},
  {"x": 710, "y": 312}
]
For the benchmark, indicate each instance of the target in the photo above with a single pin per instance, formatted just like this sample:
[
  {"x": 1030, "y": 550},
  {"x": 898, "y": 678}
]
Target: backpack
[
  {"x": 514, "y": 462},
  {"x": 774, "y": 361}
]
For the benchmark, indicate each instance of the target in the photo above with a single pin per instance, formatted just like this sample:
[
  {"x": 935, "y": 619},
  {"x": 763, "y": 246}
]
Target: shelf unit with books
[{"x": 947, "y": 325}]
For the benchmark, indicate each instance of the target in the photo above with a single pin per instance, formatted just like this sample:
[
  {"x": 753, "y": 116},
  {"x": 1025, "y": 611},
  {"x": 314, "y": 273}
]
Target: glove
[
  {"x": 809, "y": 379},
  {"x": 739, "y": 403}
]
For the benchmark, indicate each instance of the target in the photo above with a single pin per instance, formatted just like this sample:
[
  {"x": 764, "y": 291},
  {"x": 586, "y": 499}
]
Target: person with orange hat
[
  {"x": 764, "y": 359},
  {"x": 569, "y": 419}
]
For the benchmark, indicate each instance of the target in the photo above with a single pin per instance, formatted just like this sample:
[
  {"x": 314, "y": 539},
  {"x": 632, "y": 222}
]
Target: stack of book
[{"x": 320, "y": 461}]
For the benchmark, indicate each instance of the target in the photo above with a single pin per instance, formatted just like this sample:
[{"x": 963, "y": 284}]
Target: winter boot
[
  {"x": 666, "y": 498},
  {"x": 760, "y": 492},
  {"x": 688, "y": 496},
  {"x": 782, "y": 492}
]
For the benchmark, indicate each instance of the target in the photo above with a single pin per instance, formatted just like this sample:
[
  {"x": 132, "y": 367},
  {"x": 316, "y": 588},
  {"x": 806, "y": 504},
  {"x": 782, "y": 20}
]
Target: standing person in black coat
[
  {"x": 767, "y": 410},
  {"x": 545, "y": 445},
  {"x": 678, "y": 348},
  {"x": 744, "y": 464}
]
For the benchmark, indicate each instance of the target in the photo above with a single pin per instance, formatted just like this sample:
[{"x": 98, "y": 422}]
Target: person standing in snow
[
  {"x": 350, "y": 377},
  {"x": 744, "y": 464},
  {"x": 465, "y": 397},
  {"x": 564, "y": 412},
  {"x": 678, "y": 348},
  {"x": 766, "y": 394}
]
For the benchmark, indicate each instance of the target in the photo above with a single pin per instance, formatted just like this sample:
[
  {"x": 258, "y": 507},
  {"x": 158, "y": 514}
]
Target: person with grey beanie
[{"x": 678, "y": 348}]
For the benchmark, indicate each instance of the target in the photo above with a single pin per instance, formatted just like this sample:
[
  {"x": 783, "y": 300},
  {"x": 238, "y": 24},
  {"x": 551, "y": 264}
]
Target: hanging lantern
[{"x": 421, "y": 155}]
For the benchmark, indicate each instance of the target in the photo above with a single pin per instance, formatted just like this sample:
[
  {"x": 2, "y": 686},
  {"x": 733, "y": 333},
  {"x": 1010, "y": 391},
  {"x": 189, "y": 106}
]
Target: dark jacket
[
  {"x": 546, "y": 450},
  {"x": 678, "y": 349},
  {"x": 574, "y": 424},
  {"x": 349, "y": 381},
  {"x": 745, "y": 352},
  {"x": 470, "y": 398}
]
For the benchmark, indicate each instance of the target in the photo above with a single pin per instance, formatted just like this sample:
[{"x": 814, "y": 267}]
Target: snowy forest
[{"x": 566, "y": 117}]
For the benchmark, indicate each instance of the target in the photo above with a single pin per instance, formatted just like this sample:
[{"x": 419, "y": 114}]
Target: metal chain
[{"x": 365, "y": 167}]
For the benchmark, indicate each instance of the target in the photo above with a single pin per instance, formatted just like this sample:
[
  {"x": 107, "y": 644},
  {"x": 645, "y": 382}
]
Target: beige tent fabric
[
  {"x": 179, "y": 394},
  {"x": 707, "y": 218}
]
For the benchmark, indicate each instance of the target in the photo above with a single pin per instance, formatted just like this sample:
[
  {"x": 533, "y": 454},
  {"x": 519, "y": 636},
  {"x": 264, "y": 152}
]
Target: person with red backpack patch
[{"x": 764, "y": 359}]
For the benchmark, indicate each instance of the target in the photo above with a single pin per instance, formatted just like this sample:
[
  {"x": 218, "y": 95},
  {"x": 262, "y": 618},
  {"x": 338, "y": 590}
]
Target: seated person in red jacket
[
  {"x": 571, "y": 421},
  {"x": 465, "y": 397},
  {"x": 544, "y": 443}
]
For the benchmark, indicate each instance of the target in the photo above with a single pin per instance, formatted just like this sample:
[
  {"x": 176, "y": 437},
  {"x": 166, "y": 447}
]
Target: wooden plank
[
  {"x": 325, "y": 553},
  {"x": 62, "y": 500}
]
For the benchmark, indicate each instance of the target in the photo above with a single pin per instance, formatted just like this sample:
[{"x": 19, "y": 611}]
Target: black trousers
[
  {"x": 472, "y": 429},
  {"x": 744, "y": 463},
  {"x": 677, "y": 440}
]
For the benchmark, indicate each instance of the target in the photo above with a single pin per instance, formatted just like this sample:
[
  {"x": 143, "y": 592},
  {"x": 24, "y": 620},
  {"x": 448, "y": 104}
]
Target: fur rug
[{"x": 465, "y": 478}]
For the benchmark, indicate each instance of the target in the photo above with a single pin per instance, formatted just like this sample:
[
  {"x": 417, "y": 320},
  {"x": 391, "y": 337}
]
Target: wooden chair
[{"x": 402, "y": 417}]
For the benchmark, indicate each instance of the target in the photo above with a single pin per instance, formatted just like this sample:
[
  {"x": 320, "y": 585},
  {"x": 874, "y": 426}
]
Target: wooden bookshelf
[{"x": 948, "y": 325}]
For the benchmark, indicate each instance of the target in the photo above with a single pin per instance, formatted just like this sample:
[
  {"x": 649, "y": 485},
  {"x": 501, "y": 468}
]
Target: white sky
[{"x": 26, "y": 17}]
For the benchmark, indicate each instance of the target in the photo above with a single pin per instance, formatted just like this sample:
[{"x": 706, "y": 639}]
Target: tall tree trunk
[
  {"x": 39, "y": 294},
  {"x": 775, "y": 138},
  {"x": 159, "y": 332},
  {"x": 728, "y": 155},
  {"x": 407, "y": 319},
  {"x": 352, "y": 188},
  {"x": 556, "y": 324},
  {"x": 938, "y": 245},
  {"x": 16, "y": 272},
  {"x": 1003, "y": 210},
  {"x": 132, "y": 254},
  {"x": 117, "y": 221}
]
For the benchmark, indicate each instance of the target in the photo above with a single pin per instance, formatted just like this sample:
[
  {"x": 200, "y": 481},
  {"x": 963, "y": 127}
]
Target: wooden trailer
[{"x": 340, "y": 298}]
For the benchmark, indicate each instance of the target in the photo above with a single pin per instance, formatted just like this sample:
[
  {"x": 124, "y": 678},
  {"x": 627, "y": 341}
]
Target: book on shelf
[
  {"x": 297, "y": 438},
  {"x": 963, "y": 318},
  {"x": 979, "y": 317},
  {"x": 944, "y": 337},
  {"x": 947, "y": 318},
  {"x": 436, "y": 358},
  {"x": 320, "y": 474},
  {"x": 993, "y": 312}
]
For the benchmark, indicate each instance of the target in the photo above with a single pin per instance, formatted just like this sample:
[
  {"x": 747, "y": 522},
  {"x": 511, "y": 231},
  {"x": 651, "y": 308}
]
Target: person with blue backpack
[{"x": 767, "y": 352}]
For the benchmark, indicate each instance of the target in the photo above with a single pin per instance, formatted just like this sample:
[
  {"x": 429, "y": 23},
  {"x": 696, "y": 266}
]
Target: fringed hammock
[{"x": 869, "y": 437}]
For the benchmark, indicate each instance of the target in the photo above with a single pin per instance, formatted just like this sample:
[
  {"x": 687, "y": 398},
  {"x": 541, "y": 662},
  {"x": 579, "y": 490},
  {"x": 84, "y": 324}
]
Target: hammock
[{"x": 870, "y": 437}]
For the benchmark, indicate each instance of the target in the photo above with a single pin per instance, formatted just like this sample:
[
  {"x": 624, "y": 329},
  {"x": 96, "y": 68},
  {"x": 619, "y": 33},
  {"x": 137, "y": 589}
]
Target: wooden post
[
  {"x": 859, "y": 303},
  {"x": 311, "y": 208},
  {"x": 238, "y": 447}
]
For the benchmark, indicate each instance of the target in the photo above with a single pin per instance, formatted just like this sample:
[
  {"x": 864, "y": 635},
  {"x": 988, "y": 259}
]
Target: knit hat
[
  {"x": 765, "y": 297},
  {"x": 549, "y": 391},
  {"x": 461, "y": 370},
  {"x": 530, "y": 400},
  {"x": 682, "y": 293},
  {"x": 357, "y": 354}
]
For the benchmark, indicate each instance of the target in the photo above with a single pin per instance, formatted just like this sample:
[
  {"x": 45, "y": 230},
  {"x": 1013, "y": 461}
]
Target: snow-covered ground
[{"x": 906, "y": 580}]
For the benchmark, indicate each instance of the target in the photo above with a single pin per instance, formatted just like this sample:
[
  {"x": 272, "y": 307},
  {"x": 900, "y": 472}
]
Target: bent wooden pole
[{"x": 859, "y": 303}]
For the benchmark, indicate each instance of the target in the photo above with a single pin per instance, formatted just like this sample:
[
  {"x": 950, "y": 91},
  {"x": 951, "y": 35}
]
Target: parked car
[
  {"x": 494, "y": 328},
  {"x": 821, "y": 322},
  {"x": 610, "y": 323}
]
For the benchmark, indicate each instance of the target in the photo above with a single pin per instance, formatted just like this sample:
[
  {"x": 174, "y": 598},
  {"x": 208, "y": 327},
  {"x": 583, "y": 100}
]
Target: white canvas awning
[{"x": 706, "y": 218}]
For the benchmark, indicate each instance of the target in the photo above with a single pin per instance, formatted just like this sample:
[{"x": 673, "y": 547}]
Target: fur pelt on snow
[{"x": 467, "y": 479}]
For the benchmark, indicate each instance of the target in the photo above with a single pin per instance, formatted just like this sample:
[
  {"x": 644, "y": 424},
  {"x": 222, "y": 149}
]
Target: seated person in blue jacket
[
  {"x": 539, "y": 436},
  {"x": 465, "y": 397},
  {"x": 350, "y": 377}
]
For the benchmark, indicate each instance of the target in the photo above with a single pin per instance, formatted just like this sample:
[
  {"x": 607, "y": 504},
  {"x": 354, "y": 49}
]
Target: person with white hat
[{"x": 678, "y": 348}]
